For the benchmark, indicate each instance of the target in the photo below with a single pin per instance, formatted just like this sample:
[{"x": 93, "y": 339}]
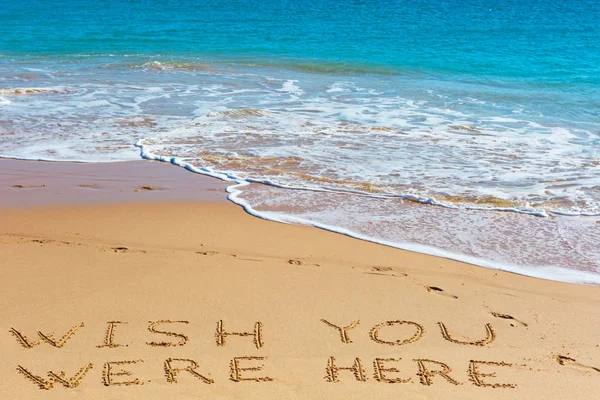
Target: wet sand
[
  {"x": 43, "y": 183},
  {"x": 176, "y": 293}
]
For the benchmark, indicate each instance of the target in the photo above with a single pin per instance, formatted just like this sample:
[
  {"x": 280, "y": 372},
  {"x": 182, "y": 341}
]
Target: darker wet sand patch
[
  {"x": 48, "y": 183},
  {"x": 469, "y": 128}
]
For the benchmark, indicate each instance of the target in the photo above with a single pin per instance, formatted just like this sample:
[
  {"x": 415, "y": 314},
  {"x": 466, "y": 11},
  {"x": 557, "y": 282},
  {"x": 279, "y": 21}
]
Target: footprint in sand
[
  {"x": 385, "y": 271},
  {"x": 89, "y": 186},
  {"x": 506, "y": 316},
  {"x": 440, "y": 291},
  {"x": 49, "y": 241},
  {"x": 123, "y": 249},
  {"x": 146, "y": 188},
  {"x": 293, "y": 261},
  {"x": 207, "y": 253},
  {"x": 564, "y": 360},
  {"x": 382, "y": 269},
  {"x": 212, "y": 253},
  {"x": 18, "y": 186}
]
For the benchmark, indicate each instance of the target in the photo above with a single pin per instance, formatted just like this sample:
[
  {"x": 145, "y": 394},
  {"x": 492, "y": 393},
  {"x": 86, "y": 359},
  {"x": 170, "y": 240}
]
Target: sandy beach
[{"x": 139, "y": 280}]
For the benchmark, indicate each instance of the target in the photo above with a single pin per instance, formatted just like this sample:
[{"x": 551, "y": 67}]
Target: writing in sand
[{"x": 245, "y": 368}]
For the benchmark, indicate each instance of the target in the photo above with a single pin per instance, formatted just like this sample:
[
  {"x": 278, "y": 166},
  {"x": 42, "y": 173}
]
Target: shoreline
[
  {"x": 139, "y": 285},
  {"x": 180, "y": 266},
  {"x": 177, "y": 187},
  {"x": 550, "y": 272}
]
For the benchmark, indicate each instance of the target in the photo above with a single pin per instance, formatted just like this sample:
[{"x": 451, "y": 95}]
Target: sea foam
[
  {"x": 236, "y": 192},
  {"x": 444, "y": 167}
]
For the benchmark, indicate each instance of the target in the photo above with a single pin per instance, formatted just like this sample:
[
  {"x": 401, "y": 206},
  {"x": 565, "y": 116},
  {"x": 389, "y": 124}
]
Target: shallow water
[{"x": 468, "y": 130}]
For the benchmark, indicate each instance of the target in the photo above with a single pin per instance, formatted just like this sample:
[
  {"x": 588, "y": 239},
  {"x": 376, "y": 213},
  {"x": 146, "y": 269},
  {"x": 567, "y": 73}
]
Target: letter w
[
  {"x": 54, "y": 377},
  {"x": 48, "y": 338}
]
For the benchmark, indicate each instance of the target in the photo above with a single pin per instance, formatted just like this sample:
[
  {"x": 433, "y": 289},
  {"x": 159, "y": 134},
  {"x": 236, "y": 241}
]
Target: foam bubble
[{"x": 290, "y": 86}]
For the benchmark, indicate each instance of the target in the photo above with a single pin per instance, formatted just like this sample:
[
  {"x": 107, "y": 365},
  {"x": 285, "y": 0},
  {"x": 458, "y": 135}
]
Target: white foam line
[
  {"x": 553, "y": 273},
  {"x": 70, "y": 160},
  {"x": 415, "y": 198}
]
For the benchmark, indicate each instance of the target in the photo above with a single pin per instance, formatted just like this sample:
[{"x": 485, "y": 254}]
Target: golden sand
[{"x": 171, "y": 299}]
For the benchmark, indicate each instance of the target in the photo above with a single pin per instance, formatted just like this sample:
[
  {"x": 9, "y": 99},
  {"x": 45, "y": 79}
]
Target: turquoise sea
[{"x": 467, "y": 129}]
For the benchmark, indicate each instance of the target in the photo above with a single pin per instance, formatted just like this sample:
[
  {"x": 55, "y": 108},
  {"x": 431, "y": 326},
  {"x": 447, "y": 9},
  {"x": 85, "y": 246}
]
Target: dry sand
[{"x": 128, "y": 299}]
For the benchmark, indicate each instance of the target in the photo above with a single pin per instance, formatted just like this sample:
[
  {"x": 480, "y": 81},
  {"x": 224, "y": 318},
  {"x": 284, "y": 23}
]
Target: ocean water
[{"x": 467, "y": 129}]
